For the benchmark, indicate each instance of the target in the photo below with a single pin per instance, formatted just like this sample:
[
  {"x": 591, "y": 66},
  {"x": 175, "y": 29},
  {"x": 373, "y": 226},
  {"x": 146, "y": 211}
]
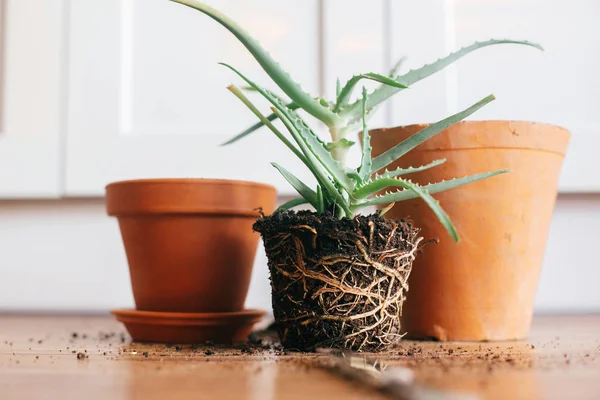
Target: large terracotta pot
[
  {"x": 189, "y": 242},
  {"x": 483, "y": 287}
]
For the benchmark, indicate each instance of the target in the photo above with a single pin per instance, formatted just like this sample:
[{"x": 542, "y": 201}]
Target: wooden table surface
[{"x": 39, "y": 360}]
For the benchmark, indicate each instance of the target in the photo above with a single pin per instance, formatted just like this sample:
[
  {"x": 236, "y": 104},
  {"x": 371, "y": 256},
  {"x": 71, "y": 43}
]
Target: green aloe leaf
[
  {"x": 323, "y": 154},
  {"x": 344, "y": 95},
  {"x": 432, "y": 188},
  {"x": 304, "y": 191},
  {"x": 316, "y": 145},
  {"x": 439, "y": 212},
  {"x": 260, "y": 124},
  {"x": 387, "y": 208},
  {"x": 312, "y": 162},
  {"x": 384, "y": 92},
  {"x": 353, "y": 174},
  {"x": 269, "y": 65},
  {"x": 391, "y": 155},
  {"x": 325, "y": 180},
  {"x": 411, "y": 170},
  {"x": 376, "y": 185},
  {"x": 286, "y": 116},
  {"x": 383, "y": 183},
  {"x": 343, "y": 143},
  {"x": 364, "y": 171},
  {"x": 320, "y": 200},
  {"x": 292, "y": 203},
  {"x": 251, "y": 89},
  {"x": 238, "y": 93}
]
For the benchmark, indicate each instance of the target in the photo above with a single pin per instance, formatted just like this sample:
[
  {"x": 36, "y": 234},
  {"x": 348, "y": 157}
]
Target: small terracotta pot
[
  {"x": 189, "y": 242},
  {"x": 483, "y": 287}
]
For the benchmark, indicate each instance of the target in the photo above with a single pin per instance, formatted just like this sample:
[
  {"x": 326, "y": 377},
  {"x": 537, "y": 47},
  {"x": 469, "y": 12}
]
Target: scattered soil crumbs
[
  {"x": 426, "y": 358},
  {"x": 429, "y": 357},
  {"x": 338, "y": 283},
  {"x": 477, "y": 357},
  {"x": 263, "y": 344}
]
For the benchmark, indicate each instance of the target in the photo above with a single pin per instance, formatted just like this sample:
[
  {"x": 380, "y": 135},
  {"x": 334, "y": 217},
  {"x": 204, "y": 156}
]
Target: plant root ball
[{"x": 338, "y": 283}]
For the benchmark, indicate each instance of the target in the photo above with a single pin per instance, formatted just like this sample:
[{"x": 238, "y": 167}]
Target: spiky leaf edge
[
  {"x": 382, "y": 93},
  {"x": 431, "y": 188},
  {"x": 343, "y": 97},
  {"x": 366, "y": 163},
  {"x": 410, "y": 170}
]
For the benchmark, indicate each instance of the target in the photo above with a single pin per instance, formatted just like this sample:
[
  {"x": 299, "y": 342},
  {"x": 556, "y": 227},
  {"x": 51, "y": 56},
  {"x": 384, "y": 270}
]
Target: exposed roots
[{"x": 338, "y": 283}]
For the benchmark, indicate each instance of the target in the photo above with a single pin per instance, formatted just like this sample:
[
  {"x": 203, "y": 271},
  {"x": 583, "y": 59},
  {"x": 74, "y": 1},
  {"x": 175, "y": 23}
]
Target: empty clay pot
[
  {"x": 483, "y": 287},
  {"x": 189, "y": 242}
]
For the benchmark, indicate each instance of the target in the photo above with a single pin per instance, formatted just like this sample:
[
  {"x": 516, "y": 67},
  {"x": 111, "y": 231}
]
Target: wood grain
[{"x": 38, "y": 360}]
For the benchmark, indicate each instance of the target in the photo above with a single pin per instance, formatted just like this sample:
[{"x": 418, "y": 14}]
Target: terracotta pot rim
[
  {"x": 183, "y": 212},
  {"x": 190, "y": 181},
  {"x": 482, "y": 121},
  {"x": 188, "y": 196},
  {"x": 486, "y": 135}
]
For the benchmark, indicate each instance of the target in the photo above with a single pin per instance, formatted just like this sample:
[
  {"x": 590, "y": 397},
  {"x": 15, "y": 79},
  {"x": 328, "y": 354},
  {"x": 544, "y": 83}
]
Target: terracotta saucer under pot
[{"x": 172, "y": 327}]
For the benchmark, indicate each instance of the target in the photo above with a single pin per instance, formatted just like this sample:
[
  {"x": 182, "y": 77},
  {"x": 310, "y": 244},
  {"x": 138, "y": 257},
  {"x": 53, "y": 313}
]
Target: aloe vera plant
[{"x": 341, "y": 189}]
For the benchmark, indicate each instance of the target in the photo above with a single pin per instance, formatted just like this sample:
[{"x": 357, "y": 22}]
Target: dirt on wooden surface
[
  {"x": 429, "y": 356},
  {"x": 338, "y": 282},
  {"x": 562, "y": 358}
]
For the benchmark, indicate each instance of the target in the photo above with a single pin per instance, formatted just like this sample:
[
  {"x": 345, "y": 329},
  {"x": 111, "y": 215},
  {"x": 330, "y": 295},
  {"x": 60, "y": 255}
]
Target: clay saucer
[{"x": 172, "y": 327}]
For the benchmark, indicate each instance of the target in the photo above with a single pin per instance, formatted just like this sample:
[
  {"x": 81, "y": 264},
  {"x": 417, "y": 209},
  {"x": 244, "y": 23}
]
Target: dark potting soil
[{"x": 338, "y": 282}]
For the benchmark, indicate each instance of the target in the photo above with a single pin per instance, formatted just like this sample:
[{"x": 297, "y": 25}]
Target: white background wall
[{"x": 67, "y": 255}]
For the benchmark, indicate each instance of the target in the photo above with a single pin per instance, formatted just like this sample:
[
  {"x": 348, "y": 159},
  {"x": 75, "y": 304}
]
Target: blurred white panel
[
  {"x": 571, "y": 272},
  {"x": 354, "y": 43},
  {"x": 61, "y": 255},
  {"x": 148, "y": 99},
  {"x": 170, "y": 54},
  {"x": 420, "y": 32},
  {"x": 560, "y": 85},
  {"x": 31, "y": 51}
]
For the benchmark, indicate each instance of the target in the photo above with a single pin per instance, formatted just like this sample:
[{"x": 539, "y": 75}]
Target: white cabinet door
[
  {"x": 418, "y": 35},
  {"x": 354, "y": 42},
  {"x": 559, "y": 86},
  {"x": 31, "y": 113},
  {"x": 147, "y": 98}
]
